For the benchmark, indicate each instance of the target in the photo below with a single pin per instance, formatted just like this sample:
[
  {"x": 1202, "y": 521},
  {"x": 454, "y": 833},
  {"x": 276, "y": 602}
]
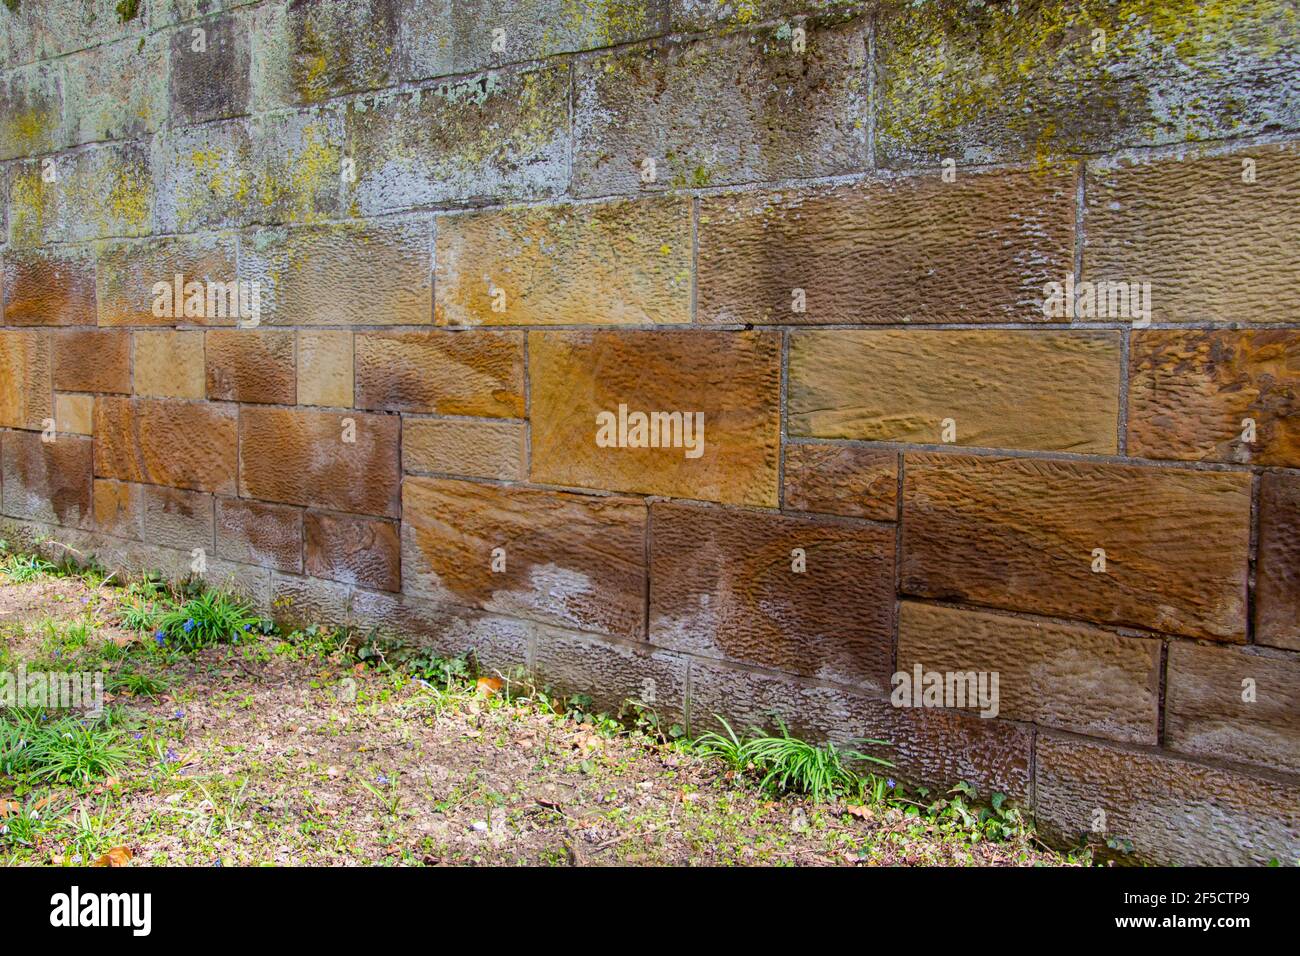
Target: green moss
[
  {"x": 127, "y": 10},
  {"x": 951, "y": 65},
  {"x": 12, "y": 5}
]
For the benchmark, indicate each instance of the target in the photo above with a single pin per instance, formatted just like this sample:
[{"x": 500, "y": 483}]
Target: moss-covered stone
[
  {"x": 31, "y": 105},
  {"x": 979, "y": 81}
]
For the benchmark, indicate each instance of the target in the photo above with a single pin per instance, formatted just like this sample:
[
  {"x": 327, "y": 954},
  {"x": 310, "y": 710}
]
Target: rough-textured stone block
[
  {"x": 353, "y": 550},
  {"x": 252, "y": 532},
  {"x": 209, "y": 76},
  {"x": 116, "y": 91},
  {"x": 931, "y": 748},
  {"x": 1277, "y": 589},
  {"x": 475, "y": 449},
  {"x": 1023, "y": 534},
  {"x": 244, "y": 365},
  {"x": 500, "y": 645},
  {"x": 1163, "y": 805},
  {"x": 732, "y": 378},
  {"x": 726, "y": 109},
  {"x": 448, "y": 373},
  {"x": 841, "y": 480},
  {"x": 1056, "y": 391},
  {"x": 612, "y": 675},
  {"x": 1214, "y": 247},
  {"x": 50, "y": 28},
  {"x": 302, "y": 602},
  {"x": 982, "y": 82},
  {"x": 31, "y": 111},
  {"x": 128, "y": 272},
  {"x": 96, "y": 192},
  {"x": 325, "y": 369},
  {"x": 26, "y": 398},
  {"x": 377, "y": 273},
  {"x": 163, "y": 442},
  {"x": 501, "y": 135},
  {"x": 47, "y": 481},
  {"x": 346, "y": 462},
  {"x": 1190, "y": 394},
  {"x": 166, "y": 516},
  {"x": 169, "y": 364},
  {"x": 75, "y": 414},
  {"x": 1071, "y": 676},
  {"x": 92, "y": 360},
  {"x": 276, "y": 168},
  {"x": 606, "y": 264},
  {"x": 1235, "y": 704},
  {"x": 49, "y": 287},
  {"x": 572, "y": 560},
  {"x": 899, "y": 249},
  {"x": 811, "y": 596}
]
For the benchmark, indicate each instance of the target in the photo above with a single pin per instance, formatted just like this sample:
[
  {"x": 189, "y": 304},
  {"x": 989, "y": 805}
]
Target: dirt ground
[{"x": 282, "y": 751}]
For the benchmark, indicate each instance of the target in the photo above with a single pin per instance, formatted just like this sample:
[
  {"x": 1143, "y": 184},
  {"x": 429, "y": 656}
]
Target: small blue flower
[
  {"x": 137, "y": 736},
  {"x": 160, "y": 636},
  {"x": 188, "y": 626},
  {"x": 890, "y": 783},
  {"x": 248, "y": 627},
  {"x": 382, "y": 780},
  {"x": 180, "y": 714},
  {"x": 171, "y": 755}
]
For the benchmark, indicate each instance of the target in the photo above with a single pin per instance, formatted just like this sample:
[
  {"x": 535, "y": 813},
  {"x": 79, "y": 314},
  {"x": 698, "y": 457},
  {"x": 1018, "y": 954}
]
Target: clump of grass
[
  {"x": 136, "y": 684},
  {"x": 786, "y": 764},
  {"x": 62, "y": 750},
  {"x": 21, "y": 568},
  {"x": 211, "y": 618}
]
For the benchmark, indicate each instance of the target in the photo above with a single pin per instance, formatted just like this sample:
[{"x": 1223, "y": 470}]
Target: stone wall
[{"x": 473, "y": 226}]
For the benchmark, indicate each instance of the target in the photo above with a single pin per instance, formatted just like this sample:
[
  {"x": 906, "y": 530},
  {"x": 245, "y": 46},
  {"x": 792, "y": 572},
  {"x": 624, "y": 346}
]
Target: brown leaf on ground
[{"x": 118, "y": 856}]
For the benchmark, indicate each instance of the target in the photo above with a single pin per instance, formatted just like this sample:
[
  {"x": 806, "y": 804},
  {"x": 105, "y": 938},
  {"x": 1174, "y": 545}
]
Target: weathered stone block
[
  {"x": 983, "y": 82},
  {"x": 246, "y": 365},
  {"x": 210, "y": 72},
  {"x": 611, "y": 674},
  {"x": 1214, "y": 247},
  {"x": 167, "y": 442},
  {"x": 1086, "y": 679},
  {"x": 1160, "y": 804},
  {"x": 169, "y": 364},
  {"x": 1277, "y": 589},
  {"x": 274, "y": 168},
  {"x": 1235, "y": 704},
  {"x": 498, "y": 136},
  {"x": 607, "y": 264},
  {"x": 811, "y": 596},
  {"x": 899, "y": 249},
  {"x": 49, "y": 287},
  {"x": 47, "y": 481},
  {"x": 1056, "y": 391},
  {"x": 1023, "y": 534},
  {"x": 128, "y": 272},
  {"x": 170, "y": 517},
  {"x": 31, "y": 111},
  {"x": 726, "y": 109},
  {"x": 447, "y": 373},
  {"x": 731, "y": 378},
  {"x": 353, "y": 550},
  {"x": 841, "y": 480},
  {"x": 252, "y": 532},
  {"x": 346, "y": 462},
  {"x": 116, "y": 91},
  {"x": 96, "y": 192},
  {"x": 475, "y": 449},
  {"x": 1191, "y": 394},
  {"x": 26, "y": 397},
  {"x": 92, "y": 360},
  {"x": 75, "y": 414},
  {"x": 572, "y": 560},
  {"x": 377, "y": 273},
  {"x": 325, "y": 369}
]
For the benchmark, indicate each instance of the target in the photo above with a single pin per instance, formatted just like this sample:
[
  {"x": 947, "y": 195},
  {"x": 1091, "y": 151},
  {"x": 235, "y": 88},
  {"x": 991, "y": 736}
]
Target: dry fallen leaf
[
  {"x": 8, "y": 807},
  {"x": 861, "y": 812},
  {"x": 487, "y": 686},
  {"x": 118, "y": 856}
]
